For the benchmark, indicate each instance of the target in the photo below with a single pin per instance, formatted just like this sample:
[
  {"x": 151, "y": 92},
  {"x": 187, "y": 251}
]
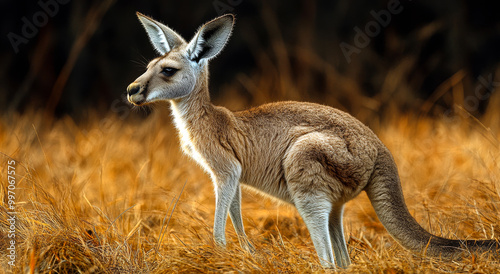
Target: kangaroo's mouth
[{"x": 136, "y": 99}]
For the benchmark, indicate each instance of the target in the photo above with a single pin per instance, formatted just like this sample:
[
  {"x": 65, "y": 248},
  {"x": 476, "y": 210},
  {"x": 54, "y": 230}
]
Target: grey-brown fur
[{"x": 309, "y": 155}]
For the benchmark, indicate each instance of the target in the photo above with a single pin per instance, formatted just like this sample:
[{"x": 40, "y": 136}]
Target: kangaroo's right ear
[{"x": 162, "y": 37}]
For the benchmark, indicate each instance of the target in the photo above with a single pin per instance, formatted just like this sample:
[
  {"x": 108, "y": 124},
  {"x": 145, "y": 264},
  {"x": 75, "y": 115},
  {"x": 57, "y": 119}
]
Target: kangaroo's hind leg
[
  {"x": 322, "y": 174},
  {"x": 315, "y": 212},
  {"x": 337, "y": 236}
]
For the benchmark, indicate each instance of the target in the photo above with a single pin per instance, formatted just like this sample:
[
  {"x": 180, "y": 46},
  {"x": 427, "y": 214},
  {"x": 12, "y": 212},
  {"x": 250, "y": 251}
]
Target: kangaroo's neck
[
  {"x": 194, "y": 116},
  {"x": 196, "y": 106}
]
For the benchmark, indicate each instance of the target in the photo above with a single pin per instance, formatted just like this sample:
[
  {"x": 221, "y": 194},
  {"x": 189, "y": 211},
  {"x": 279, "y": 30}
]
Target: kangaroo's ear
[
  {"x": 162, "y": 37},
  {"x": 210, "y": 38}
]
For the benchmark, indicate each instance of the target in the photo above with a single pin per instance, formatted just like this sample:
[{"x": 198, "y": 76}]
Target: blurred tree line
[{"x": 65, "y": 56}]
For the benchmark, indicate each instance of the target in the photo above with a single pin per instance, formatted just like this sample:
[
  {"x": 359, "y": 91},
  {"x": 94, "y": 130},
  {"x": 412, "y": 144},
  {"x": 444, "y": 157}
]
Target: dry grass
[{"x": 101, "y": 197}]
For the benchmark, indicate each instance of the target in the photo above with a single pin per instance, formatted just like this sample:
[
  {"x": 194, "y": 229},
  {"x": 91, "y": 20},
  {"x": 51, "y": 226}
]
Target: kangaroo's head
[{"x": 182, "y": 65}]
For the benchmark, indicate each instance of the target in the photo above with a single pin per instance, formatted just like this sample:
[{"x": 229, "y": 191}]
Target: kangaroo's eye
[{"x": 168, "y": 71}]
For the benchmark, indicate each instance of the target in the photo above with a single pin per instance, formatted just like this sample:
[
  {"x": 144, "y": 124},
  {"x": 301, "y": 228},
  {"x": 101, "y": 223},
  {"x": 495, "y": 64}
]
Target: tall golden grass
[{"x": 107, "y": 195}]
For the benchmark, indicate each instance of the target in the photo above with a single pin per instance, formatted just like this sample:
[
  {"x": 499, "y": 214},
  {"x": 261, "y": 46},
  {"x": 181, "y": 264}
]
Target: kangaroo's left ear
[{"x": 211, "y": 38}]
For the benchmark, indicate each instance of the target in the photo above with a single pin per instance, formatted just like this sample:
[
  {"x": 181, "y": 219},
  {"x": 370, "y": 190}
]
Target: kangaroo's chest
[
  {"x": 189, "y": 147},
  {"x": 188, "y": 143}
]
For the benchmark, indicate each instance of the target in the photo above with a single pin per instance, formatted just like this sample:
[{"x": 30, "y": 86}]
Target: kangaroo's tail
[{"x": 384, "y": 191}]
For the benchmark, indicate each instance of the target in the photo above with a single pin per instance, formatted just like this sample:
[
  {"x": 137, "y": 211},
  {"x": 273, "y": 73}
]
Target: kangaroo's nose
[{"x": 133, "y": 88}]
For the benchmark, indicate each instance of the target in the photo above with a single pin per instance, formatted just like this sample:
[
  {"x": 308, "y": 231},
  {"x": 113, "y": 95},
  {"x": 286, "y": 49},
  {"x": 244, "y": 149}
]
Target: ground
[{"x": 112, "y": 195}]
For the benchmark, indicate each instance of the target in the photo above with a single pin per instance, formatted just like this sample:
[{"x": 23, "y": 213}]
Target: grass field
[{"x": 108, "y": 195}]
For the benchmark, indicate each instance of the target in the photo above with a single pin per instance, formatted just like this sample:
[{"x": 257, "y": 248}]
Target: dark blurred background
[{"x": 69, "y": 56}]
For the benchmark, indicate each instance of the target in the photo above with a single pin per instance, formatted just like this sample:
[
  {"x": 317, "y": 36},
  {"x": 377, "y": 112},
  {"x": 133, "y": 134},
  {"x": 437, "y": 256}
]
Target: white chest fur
[{"x": 188, "y": 144}]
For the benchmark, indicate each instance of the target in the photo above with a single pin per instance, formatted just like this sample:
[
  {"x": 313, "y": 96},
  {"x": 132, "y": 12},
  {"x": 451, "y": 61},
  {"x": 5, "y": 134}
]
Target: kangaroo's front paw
[
  {"x": 249, "y": 247},
  {"x": 220, "y": 242},
  {"x": 246, "y": 245}
]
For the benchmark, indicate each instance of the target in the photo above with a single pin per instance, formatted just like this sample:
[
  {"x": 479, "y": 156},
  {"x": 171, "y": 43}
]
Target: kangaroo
[{"x": 311, "y": 156}]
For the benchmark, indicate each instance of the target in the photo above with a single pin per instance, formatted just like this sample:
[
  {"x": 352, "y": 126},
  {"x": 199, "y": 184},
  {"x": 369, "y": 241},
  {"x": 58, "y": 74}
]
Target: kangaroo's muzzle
[{"x": 135, "y": 94}]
